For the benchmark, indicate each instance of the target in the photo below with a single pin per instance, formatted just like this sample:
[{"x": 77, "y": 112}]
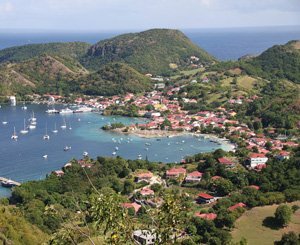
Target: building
[
  {"x": 133, "y": 205},
  {"x": 194, "y": 176},
  {"x": 238, "y": 205},
  {"x": 205, "y": 198},
  {"x": 256, "y": 159},
  {"x": 175, "y": 172},
  {"x": 208, "y": 216},
  {"x": 144, "y": 237},
  {"x": 227, "y": 162},
  {"x": 58, "y": 173},
  {"x": 144, "y": 177},
  {"x": 146, "y": 192},
  {"x": 283, "y": 155}
]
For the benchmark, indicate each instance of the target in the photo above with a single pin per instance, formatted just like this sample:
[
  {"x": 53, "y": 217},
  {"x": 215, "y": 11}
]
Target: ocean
[
  {"x": 22, "y": 160},
  {"x": 224, "y": 44}
]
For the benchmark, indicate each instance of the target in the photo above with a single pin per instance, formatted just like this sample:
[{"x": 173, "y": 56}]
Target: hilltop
[
  {"x": 157, "y": 51},
  {"x": 277, "y": 62}
]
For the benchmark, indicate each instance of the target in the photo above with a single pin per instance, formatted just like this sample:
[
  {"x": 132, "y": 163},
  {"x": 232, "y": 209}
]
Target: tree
[
  {"x": 289, "y": 239},
  {"x": 283, "y": 215}
]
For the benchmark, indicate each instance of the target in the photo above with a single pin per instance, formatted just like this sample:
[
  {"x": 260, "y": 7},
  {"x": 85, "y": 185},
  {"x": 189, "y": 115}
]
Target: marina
[{"x": 30, "y": 157}]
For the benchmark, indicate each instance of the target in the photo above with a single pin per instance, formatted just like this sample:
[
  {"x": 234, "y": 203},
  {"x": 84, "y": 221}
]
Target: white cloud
[{"x": 6, "y": 7}]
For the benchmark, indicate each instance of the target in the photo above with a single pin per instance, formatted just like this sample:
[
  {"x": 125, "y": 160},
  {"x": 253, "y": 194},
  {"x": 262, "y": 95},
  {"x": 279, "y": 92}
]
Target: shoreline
[{"x": 150, "y": 134}]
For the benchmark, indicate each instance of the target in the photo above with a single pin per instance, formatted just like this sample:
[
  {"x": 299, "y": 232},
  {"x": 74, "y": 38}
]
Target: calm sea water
[
  {"x": 225, "y": 44},
  {"x": 23, "y": 159}
]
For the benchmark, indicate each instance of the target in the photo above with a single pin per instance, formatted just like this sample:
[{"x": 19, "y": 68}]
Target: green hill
[
  {"x": 22, "y": 53},
  {"x": 155, "y": 51},
  {"x": 114, "y": 78},
  {"x": 278, "y": 62}
]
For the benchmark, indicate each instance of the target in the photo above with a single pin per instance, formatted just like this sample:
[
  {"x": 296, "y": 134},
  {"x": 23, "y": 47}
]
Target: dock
[{"x": 12, "y": 181}]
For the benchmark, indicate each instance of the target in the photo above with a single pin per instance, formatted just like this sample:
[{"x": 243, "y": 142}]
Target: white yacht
[
  {"x": 32, "y": 126},
  {"x": 64, "y": 126},
  {"x": 65, "y": 111},
  {"x": 52, "y": 111},
  {"x": 114, "y": 153},
  {"x": 14, "y": 136},
  {"x": 24, "y": 107},
  {"x": 55, "y": 131},
  {"x": 24, "y": 130},
  {"x": 45, "y": 156},
  {"x": 46, "y": 136},
  {"x": 4, "y": 122},
  {"x": 85, "y": 154},
  {"x": 66, "y": 148},
  {"x": 32, "y": 119}
]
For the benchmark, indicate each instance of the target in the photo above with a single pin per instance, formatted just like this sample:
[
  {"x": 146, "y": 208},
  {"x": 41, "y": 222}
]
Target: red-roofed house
[
  {"x": 146, "y": 192},
  {"x": 205, "y": 198},
  {"x": 175, "y": 172},
  {"x": 216, "y": 177},
  {"x": 256, "y": 159},
  {"x": 254, "y": 187},
  {"x": 208, "y": 216},
  {"x": 283, "y": 155},
  {"x": 59, "y": 173},
  {"x": 227, "y": 162},
  {"x": 194, "y": 176},
  {"x": 133, "y": 205},
  {"x": 238, "y": 205},
  {"x": 144, "y": 176}
]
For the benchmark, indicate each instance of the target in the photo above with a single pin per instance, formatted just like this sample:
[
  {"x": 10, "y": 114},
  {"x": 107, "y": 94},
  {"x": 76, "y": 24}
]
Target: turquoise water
[{"x": 23, "y": 160}]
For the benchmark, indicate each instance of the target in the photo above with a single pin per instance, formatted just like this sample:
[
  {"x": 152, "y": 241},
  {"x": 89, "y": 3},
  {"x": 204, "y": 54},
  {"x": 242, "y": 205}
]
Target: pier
[{"x": 12, "y": 181}]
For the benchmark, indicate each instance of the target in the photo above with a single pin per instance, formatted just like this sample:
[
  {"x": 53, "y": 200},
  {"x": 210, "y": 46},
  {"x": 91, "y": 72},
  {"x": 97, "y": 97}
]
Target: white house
[
  {"x": 256, "y": 159},
  {"x": 144, "y": 237}
]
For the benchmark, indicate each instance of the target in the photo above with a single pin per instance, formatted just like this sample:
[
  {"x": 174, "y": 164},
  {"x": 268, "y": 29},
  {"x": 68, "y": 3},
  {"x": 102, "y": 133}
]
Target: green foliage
[
  {"x": 283, "y": 215},
  {"x": 289, "y": 238},
  {"x": 150, "y": 51}
]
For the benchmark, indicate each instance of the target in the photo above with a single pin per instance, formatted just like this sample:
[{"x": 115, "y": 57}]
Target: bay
[{"x": 22, "y": 160}]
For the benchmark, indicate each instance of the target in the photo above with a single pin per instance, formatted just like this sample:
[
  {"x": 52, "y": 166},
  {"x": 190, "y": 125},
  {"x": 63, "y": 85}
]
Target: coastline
[{"x": 155, "y": 133}]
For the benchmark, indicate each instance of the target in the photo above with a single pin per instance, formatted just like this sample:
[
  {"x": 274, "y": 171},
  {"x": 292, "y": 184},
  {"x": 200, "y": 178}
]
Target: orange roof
[
  {"x": 146, "y": 191},
  {"x": 132, "y": 205},
  {"x": 257, "y": 155},
  {"x": 195, "y": 174},
  {"x": 208, "y": 216},
  {"x": 225, "y": 161},
  {"x": 176, "y": 171},
  {"x": 205, "y": 195},
  {"x": 238, "y": 205},
  {"x": 145, "y": 175},
  {"x": 254, "y": 187},
  {"x": 216, "y": 177}
]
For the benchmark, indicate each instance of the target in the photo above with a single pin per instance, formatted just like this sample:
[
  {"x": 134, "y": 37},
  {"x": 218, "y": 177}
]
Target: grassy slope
[
  {"x": 22, "y": 53},
  {"x": 14, "y": 228},
  {"x": 250, "y": 226},
  {"x": 149, "y": 51}
]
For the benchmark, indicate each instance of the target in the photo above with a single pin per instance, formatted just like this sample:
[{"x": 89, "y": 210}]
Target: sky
[{"x": 95, "y": 15}]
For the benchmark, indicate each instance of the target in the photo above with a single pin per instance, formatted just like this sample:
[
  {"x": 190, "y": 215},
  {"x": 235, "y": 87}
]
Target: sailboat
[
  {"x": 64, "y": 126},
  {"x": 24, "y": 107},
  {"x": 32, "y": 119},
  {"x": 46, "y": 136},
  {"x": 24, "y": 130},
  {"x": 14, "y": 136},
  {"x": 4, "y": 122},
  {"x": 54, "y": 130},
  {"x": 70, "y": 127}
]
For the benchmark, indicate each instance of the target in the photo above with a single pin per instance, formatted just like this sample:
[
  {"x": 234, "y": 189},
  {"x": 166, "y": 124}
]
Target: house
[
  {"x": 146, "y": 192},
  {"x": 205, "y": 198},
  {"x": 254, "y": 187},
  {"x": 144, "y": 177},
  {"x": 144, "y": 237},
  {"x": 175, "y": 172},
  {"x": 194, "y": 176},
  {"x": 133, "y": 205},
  {"x": 208, "y": 216},
  {"x": 216, "y": 177},
  {"x": 227, "y": 162},
  {"x": 283, "y": 155},
  {"x": 238, "y": 205},
  {"x": 256, "y": 159},
  {"x": 58, "y": 173}
]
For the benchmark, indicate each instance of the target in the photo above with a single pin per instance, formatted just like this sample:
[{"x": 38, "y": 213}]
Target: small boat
[
  {"x": 139, "y": 157},
  {"x": 32, "y": 126},
  {"x": 55, "y": 129},
  {"x": 32, "y": 119},
  {"x": 52, "y": 111},
  {"x": 70, "y": 127},
  {"x": 8, "y": 183},
  {"x": 65, "y": 111},
  {"x": 46, "y": 136},
  {"x": 147, "y": 143},
  {"x": 116, "y": 148},
  {"x": 114, "y": 153},
  {"x": 14, "y": 136},
  {"x": 64, "y": 126},
  {"x": 24, "y": 107},
  {"x": 79, "y": 119},
  {"x": 4, "y": 122},
  {"x": 85, "y": 154},
  {"x": 45, "y": 156},
  {"x": 24, "y": 130},
  {"x": 66, "y": 148}
]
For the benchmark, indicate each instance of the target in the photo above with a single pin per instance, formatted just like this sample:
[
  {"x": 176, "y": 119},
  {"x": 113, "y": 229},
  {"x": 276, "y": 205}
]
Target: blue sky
[{"x": 79, "y": 15}]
